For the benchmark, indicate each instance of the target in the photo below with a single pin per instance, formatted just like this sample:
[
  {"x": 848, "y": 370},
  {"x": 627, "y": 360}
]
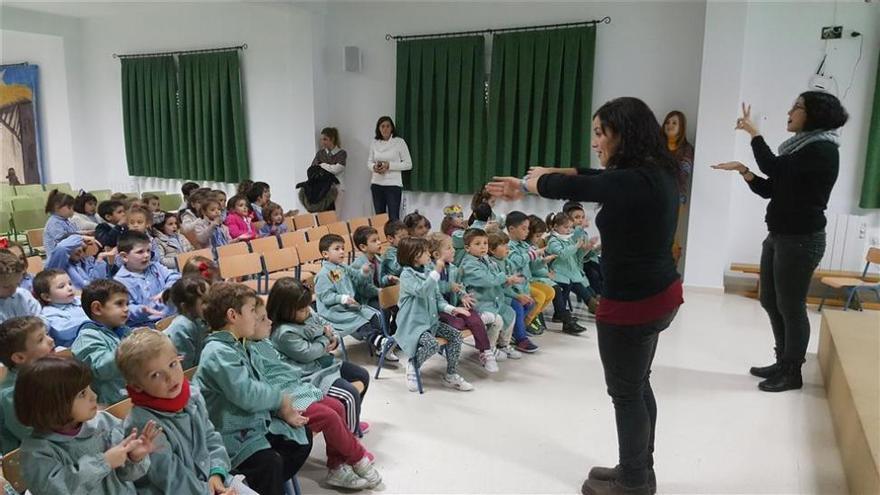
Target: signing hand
[
  {"x": 524, "y": 299},
  {"x": 735, "y": 166},
  {"x": 745, "y": 123},
  {"x": 514, "y": 280},
  {"x": 332, "y": 345},
  {"x": 349, "y": 301},
  {"x": 116, "y": 455},
  {"x": 468, "y": 301},
  {"x": 461, "y": 312},
  {"x": 215, "y": 483},
  {"x": 457, "y": 288},
  {"x": 392, "y": 280},
  {"x": 152, "y": 312},
  {"x": 505, "y": 187},
  {"x": 146, "y": 442}
]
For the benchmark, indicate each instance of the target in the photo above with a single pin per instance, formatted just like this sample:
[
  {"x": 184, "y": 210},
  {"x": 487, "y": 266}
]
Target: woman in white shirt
[{"x": 389, "y": 156}]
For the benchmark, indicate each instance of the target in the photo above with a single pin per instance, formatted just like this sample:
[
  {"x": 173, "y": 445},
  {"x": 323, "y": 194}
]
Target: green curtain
[
  {"x": 150, "y": 116},
  {"x": 540, "y": 100},
  {"x": 871, "y": 182},
  {"x": 441, "y": 112},
  {"x": 212, "y": 122}
]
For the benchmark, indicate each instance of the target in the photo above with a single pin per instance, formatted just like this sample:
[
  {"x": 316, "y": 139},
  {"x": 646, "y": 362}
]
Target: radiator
[{"x": 848, "y": 239}]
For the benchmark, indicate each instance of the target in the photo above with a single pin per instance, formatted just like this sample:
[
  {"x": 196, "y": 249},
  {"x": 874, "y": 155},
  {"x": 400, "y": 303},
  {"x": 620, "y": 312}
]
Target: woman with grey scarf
[{"x": 798, "y": 183}]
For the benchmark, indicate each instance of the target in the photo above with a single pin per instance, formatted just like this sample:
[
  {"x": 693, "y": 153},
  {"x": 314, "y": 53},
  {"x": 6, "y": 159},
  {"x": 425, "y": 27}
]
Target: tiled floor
[{"x": 539, "y": 424}]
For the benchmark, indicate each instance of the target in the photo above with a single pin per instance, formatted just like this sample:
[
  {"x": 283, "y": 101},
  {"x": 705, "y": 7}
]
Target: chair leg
[
  {"x": 852, "y": 292},
  {"x": 419, "y": 379},
  {"x": 342, "y": 347},
  {"x": 389, "y": 342},
  {"x": 296, "y": 489},
  {"x": 821, "y": 304}
]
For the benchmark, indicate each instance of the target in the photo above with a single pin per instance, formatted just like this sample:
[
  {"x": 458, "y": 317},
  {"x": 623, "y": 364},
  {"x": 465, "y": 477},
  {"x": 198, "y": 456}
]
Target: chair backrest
[
  {"x": 29, "y": 219},
  {"x": 281, "y": 259},
  {"x": 154, "y": 193},
  {"x": 354, "y": 223},
  {"x": 65, "y": 353},
  {"x": 296, "y": 238},
  {"x": 309, "y": 252},
  {"x": 241, "y": 265},
  {"x": 327, "y": 217},
  {"x": 233, "y": 249},
  {"x": 182, "y": 258},
  {"x": 121, "y": 409},
  {"x": 164, "y": 323},
  {"x": 30, "y": 190},
  {"x": 5, "y": 222},
  {"x": 34, "y": 237},
  {"x": 288, "y": 222},
  {"x": 389, "y": 296},
  {"x": 304, "y": 221},
  {"x": 20, "y": 203},
  {"x": 61, "y": 186},
  {"x": 873, "y": 256},
  {"x": 170, "y": 202},
  {"x": 35, "y": 265},
  {"x": 190, "y": 373},
  {"x": 12, "y": 471},
  {"x": 341, "y": 229},
  {"x": 316, "y": 233},
  {"x": 264, "y": 244},
  {"x": 101, "y": 194},
  {"x": 378, "y": 221}
]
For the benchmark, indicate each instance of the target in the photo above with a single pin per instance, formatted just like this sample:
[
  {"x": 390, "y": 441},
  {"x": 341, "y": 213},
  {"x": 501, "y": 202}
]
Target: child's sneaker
[
  {"x": 499, "y": 354},
  {"x": 511, "y": 352},
  {"x": 364, "y": 468},
  {"x": 534, "y": 327},
  {"x": 345, "y": 477},
  {"x": 391, "y": 357},
  {"x": 527, "y": 346},
  {"x": 487, "y": 360},
  {"x": 364, "y": 427},
  {"x": 456, "y": 381},
  {"x": 411, "y": 383}
]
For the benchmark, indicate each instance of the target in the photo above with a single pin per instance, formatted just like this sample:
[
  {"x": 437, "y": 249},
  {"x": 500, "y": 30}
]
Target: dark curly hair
[
  {"x": 824, "y": 111},
  {"x": 641, "y": 142}
]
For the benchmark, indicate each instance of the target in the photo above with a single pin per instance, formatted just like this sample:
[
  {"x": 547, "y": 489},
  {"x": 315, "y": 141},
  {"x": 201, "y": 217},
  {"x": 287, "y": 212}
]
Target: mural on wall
[{"x": 20, "y": 152}]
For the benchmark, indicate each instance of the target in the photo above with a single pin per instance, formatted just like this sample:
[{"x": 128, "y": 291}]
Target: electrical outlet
[{"x": 832, "y": 32}]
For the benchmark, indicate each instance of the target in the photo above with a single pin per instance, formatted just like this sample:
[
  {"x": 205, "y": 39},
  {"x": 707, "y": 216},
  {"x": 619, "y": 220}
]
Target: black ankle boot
[
  {"x": 771, "y": 370},
  {"x": 613, "y": 474},
  {"x": 789, "y": 378},
  {"x": 570, "y": 325}
]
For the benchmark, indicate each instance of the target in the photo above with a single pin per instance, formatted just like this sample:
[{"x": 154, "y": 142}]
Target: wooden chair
[
  {"x": 293, "y": 239},
  {"x": 182, "y": 258},
  {"x": 190, "y": 373},
  {"x": 354, "y": 223},
  {"x": 243, "y": 265},
  {"x": 264, "y": 244},
  {"x": 316, "y": 233},
  {"x": 121, "y": 409},
  {"x": 288, "y": 221},
  {"x": 34, "y": 239},
  {"x": 378, "y": 221},
  {"x": 35, "y": 265},
  {"x": 65, "y": 353},
  {"x": 304, "y": 221},
  {"x": 282, "y": 263},
  {"x": 853, "y": 285},
  {"x": 12, "y": 471},
  {"x": 233, "y": 249},
  {"x": 310, "y": 257},
  {"x": 327, "y": 217},
  {"x": 341, "y": 229},
  {"x": 164, "y": 323}
]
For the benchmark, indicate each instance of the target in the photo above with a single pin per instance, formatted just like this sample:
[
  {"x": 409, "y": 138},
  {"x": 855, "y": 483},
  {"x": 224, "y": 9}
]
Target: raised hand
[
  {"x": 505, "y": 187},
  {"x": 745, "y": 123},
  {"x": 392, "y": 280},
  {"x": 116, "y": 455},
  {"x": 146, "y": 441}
]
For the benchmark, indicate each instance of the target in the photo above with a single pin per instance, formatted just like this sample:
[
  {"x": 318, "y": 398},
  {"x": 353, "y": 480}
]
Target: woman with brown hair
[
  {"x": 323, "y": 189},
  {"x": 675, "y": 130}
]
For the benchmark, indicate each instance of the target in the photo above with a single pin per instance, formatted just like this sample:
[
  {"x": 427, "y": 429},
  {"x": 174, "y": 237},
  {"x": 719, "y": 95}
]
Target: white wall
[
  {"x": 756, "y": 52},
  {"x": 651, "y": 50}
]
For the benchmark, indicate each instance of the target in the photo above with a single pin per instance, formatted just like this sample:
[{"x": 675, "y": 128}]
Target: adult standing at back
[
  {"x": 798, "y": 184},
  {"x": 323, "y": 189},
  {"x": 389, "y": 156}
]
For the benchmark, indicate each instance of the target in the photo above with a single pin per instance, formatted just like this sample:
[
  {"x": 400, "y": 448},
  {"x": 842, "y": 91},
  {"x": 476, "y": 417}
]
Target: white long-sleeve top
[{"x": 396, "y": 153}]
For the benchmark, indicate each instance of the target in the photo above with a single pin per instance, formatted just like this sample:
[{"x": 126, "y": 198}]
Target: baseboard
[{"x": 704, "y": 289}]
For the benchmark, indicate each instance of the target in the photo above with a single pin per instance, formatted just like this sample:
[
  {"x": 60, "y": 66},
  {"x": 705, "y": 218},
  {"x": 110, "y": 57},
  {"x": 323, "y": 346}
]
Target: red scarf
[{"x": 165, "y": 405}]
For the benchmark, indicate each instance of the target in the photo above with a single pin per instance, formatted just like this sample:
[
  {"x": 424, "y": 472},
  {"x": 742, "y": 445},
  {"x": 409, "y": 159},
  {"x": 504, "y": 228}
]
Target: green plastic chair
[
  {"x": 25, "y": 220},
  {"x": 61, "y": 186},
  {"x": 22, "y": 203},
  {"x": 170, "y": 202},
  {"x": 101, "y": 194},
  {"x": 132, "y": 195},
  {"x": 6, "y": 191},
  {"x": 5, "y": 222},
  {"x": 157, "y": 193},
  {"x": 29, "y": 190}
]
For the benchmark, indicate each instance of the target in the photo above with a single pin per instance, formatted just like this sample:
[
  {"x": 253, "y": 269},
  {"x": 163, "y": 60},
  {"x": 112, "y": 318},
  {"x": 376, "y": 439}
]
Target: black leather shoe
[
  {"x": 612, "y": 474},
  {"x": 768, "y": 371},
  {"x": 789, "y": 378},
  {"x": 597, "y": 487}
]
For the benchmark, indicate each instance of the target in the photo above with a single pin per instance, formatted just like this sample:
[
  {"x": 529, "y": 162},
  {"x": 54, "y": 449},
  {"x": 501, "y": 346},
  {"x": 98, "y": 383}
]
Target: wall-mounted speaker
[{"x": 353, "y": 59}]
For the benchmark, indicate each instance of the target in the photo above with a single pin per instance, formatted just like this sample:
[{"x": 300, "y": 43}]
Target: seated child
[
  {"x": 239, "y": 219},
  {"x": 307, "y": 341},
  {"x": 169, "y": 241},
  {"x": 481, "y": 218},
  {"x": 62, "y": 310},
  {"x": 394, "y": 230},
  {"x": 209, "y": 230},
  {"x": 366, "y": 240},
  {"x": 193, "y": 209},
  {"x": 27, "y": 280},
  {"x": 258, "y": 195},
  {"x": 440, "y": 246},
  {"x": 193, "y": 460},
  {"x": 416, "y": 224},
  {"x": 14, "y": 301},
  {"x": 453, "y": 220},
  {"x": 85, "y": 212},
  {"x": 517, "y": 292},
  {"x": 419, "y": 318},
  {"x": 591, "y": 256},
  {"x": 273, "y": 215},
  {"x": 105, "y": 302},
  {"x": 202, "y": 266},
  {"x": 483, "y": 196},
  {"x": 23, "y": 340},
  {"x": 113, "y": 213},
  {"x": 519, "y": 259},
  {"x": 336, "y": 286},
  {"x": 188, "y": 330},
  {"x": 151, "y": 203},
  {"x": 141, "y": 220},
  {"x": 568, "y": 264},
  {"x": 70, "y": 256},
  {"x": 59, "y": 206},
  {"x": 349, "y": 464},
  {"x": 145, "y": 280},
  {"x": 75, "y": 448},
  {"x": 240, "y": 405},
  {"x": 186, "y": 190},
  {"x": 486, "y": 280}
]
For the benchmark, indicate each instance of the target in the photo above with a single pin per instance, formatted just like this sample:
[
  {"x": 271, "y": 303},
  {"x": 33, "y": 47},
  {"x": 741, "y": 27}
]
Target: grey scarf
[{"x": 801, "y": 139}]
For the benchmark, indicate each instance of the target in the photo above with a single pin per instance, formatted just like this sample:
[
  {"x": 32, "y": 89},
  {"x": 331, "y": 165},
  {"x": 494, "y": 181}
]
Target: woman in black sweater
[
  {"x": 638, "y": 191},
  {"x": 798, "y": 184}
]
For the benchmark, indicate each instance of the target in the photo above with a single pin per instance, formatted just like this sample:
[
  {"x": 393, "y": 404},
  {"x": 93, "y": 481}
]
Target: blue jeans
[{"x": 519, "y": 325}]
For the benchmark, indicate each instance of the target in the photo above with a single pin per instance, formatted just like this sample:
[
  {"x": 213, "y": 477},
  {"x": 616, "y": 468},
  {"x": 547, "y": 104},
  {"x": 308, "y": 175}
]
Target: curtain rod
[
  {"x": 604, "y": 20},
  {"x": 182, "y": 52}
]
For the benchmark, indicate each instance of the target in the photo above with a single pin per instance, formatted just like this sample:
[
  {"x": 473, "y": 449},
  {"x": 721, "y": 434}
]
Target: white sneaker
[
  {"x": 456, "y": 381},
  {"x": 487, "y": 359},
  {"x": 364, "y": 468},
  {"x": 345, "y": 477},
  {"x": 499, "y": 354},
  {"x": 511, "y": 352},
  {"x": 411, "y": 383},
  {"x": 391, "y": 357}
]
